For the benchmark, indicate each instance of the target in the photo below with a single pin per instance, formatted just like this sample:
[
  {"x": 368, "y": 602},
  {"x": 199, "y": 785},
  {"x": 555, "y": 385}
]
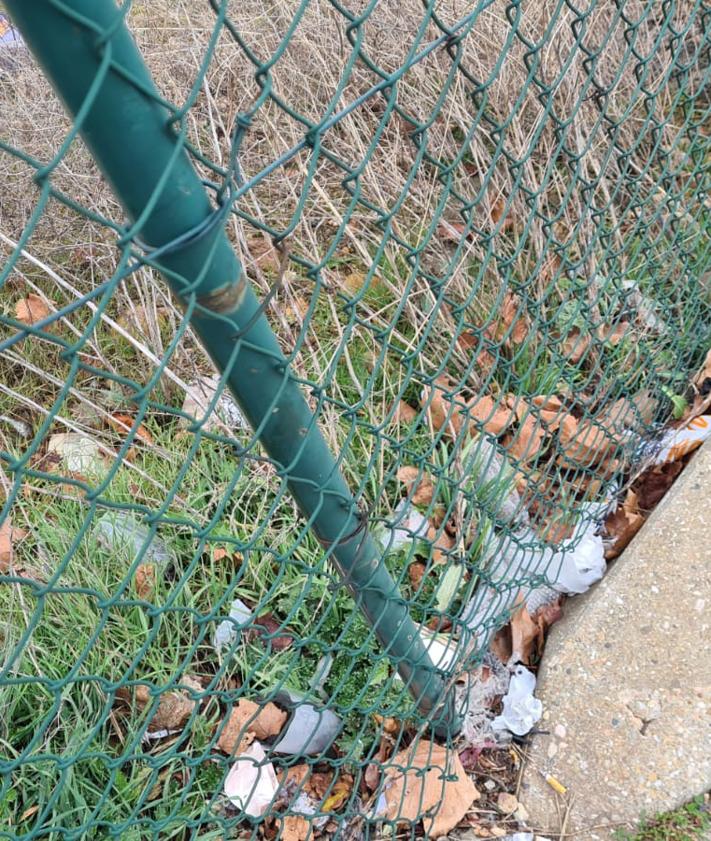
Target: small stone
[
  {"x": 552, "y": 750},
  {"x": 521, "y": 814},
  {"x": 489, "y": 785},
  {"x": 497, "y": 831},
  {"x": 506, "y": 803},
  {"x": 560, "y": 731}
]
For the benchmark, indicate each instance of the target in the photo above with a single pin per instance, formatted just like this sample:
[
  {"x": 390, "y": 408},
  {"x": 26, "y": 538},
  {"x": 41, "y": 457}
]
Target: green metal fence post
[{"x": 92, "y": 61}]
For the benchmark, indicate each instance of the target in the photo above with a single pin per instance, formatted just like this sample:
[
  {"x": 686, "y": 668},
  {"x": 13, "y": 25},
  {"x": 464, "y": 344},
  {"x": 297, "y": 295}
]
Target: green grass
[{"x": 690, "y": 822}]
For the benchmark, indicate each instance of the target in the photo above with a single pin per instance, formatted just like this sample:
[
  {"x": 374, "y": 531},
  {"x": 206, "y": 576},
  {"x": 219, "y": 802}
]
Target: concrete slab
[{"x": 626, "y": 679}]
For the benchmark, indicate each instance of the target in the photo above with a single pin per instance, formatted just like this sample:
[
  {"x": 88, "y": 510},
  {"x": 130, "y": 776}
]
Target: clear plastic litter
[
  {"x": 409, "y": 526},
  {"x": 198, "y": 398},
  {"x": 521, "y": 709},
  {"x": 228, "y": 631},
  {"x": 676, "y": 443},
  {"x": 118, "y": 531}
]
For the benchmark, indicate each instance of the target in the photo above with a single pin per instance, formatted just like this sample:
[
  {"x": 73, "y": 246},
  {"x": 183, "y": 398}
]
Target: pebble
[
  {"x": 552, "y": 750},
  {"x": 560, "y": 731},
  {"x": 506, "y": 803},
  {"x": 490, "y": 785}
]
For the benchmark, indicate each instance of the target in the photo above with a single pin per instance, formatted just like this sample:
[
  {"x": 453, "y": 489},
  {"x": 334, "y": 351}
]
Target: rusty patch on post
[{"x": 224, "y": 300}]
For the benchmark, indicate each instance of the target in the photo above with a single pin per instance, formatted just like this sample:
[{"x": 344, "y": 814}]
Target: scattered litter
[
  {"x": 521, "y": 710},
  {"x": 474, "y": 697},
  {"x": 198, "y": 398},
  {"x": 310, "y": 730},
  {"x": 410, "y": 526},
  {"x": 228, "y": 631},
  {"x": 24, "y": 430},
  {"x": 251, "y": 783},
  {"x": 520, "y": 556},
  {"x": 119, "y": 531},
  {"x": 80, "y": 454},
  {"x": 518, "y": 836},
  {"x": 678, "y": 443}
]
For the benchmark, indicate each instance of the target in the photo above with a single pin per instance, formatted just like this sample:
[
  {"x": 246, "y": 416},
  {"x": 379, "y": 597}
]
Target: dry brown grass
[{"x": 540, "y": 130}]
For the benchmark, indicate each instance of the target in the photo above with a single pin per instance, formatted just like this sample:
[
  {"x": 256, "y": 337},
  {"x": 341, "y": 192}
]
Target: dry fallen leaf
[
  {"x": 419, "y": 485},
  {"x": 492, "y": 416},
  {"x": 442, "y": 543},
  {"x": 271, "y": 632},
  {"x": 123, "y": 425},
  {"x": 524, "y": 636},
  {"x": 145, "y": 581},
  {"x": 295, "y": 828},
  {"x": 339, "y": 794},
  {"x": 586, "y": 443},
  {"x": 173, "y": 711},
  {"x": 526, "y": 442},
  {"x": 428, "y": 777},
  {"x": 499, "y": 214},
  {"x": 249, "y": 720},
  {"x": 31, "y": 309},
  {"x": 623, "y": 524},
  {"x": 615, "y": 334},
  {"x": 6, "y": 552},
  {"x": 440, "y": 409},
  {"x": 451, "y": 231},
  {"x": 512, "y": 317},
  {"x": 404, "y": 413},
  {"x": 575, "y": 345}
]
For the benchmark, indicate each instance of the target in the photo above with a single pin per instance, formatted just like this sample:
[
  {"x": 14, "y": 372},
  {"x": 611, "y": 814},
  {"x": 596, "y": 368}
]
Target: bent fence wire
[{"x": 452, "y": 262}]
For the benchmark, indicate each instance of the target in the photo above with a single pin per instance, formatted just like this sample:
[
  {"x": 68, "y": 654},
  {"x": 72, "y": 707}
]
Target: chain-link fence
[{"x": 452, "y": 262}]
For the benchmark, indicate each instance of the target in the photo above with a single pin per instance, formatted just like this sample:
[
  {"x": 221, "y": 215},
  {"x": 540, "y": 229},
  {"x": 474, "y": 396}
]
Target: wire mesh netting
[{"x": 480, "y": 235}]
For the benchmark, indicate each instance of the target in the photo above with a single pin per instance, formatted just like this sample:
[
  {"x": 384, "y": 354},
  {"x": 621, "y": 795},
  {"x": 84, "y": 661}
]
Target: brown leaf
[
  {"x": 265, "y": 625},
  {"x": 451, "y": 231},
  {"x": 527, "y": 441},
  {"x": 440, "y": 408},
  {"x": 547, "y": 402},
  {"x": 415, "y": 785},
  {"x": 499, "y": 214},
  {"x": 587, "y": 444},
  {"x": 501, "y": 645},
  {"x": 123, "y": 425},
  {"x": 615, "y": 334},
  {"x": 173, "y": 711},
  {"x": 524, "y": 636},
  {"x": 31, "y": 309},
  {"x": 575, "y": 345},
  {"x": 6, "y": 549},
  {"x": 248, "y": 721},
  {"x": 144, "y": 580},
  {"x": 404, "y": 413},
  {"x": 469, "y": 341},
  {"x": 419, "y": 485},
  {"x": 512, "y": 317},
  {"x": 653, "y": 484},
  {"x": 372, "y": 776},
  {"x": 622, "y": 525},
  {"x": 29, "y": 812},
  {"x": 494, "y": 418},
  {"x": 441, "y": 544},
  {"x": 295, "y": 828},
  {"x": 219, "y": 553}
]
